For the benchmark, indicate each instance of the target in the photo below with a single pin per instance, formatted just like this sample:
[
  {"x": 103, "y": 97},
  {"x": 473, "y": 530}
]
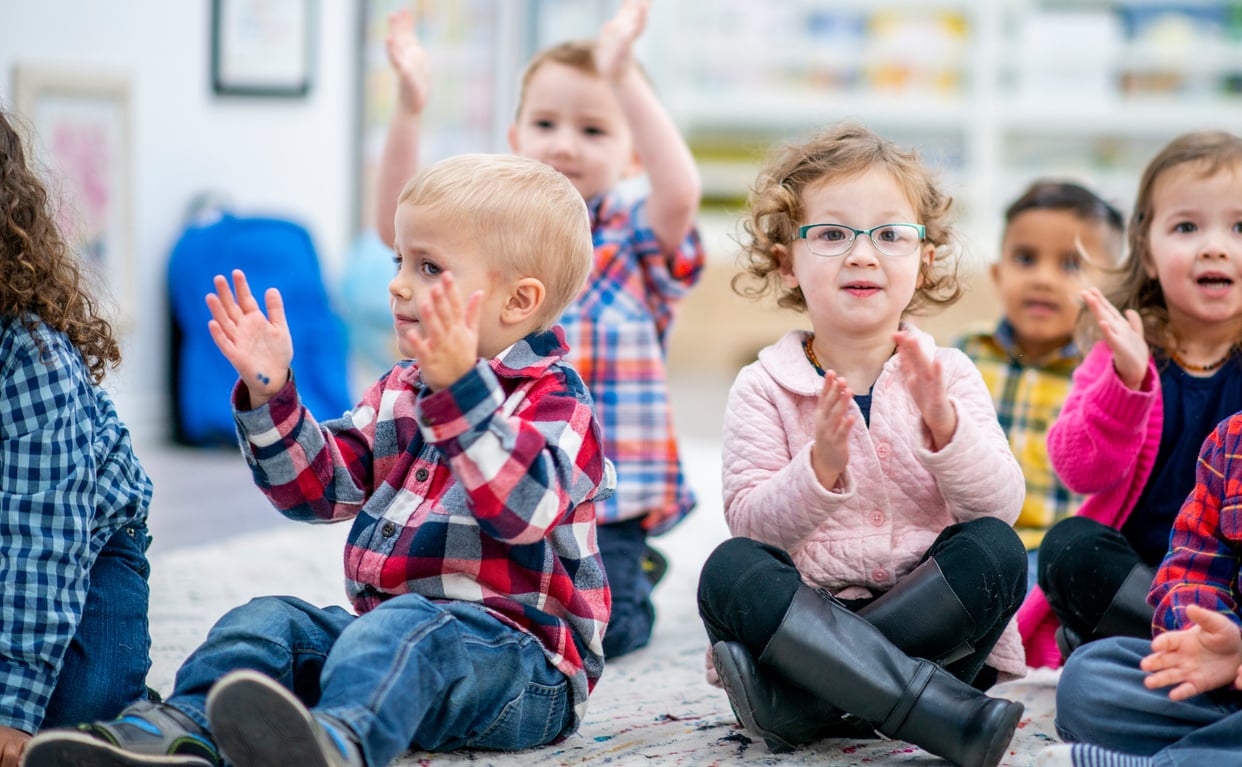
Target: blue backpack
[{"x": 272, "y": 253}]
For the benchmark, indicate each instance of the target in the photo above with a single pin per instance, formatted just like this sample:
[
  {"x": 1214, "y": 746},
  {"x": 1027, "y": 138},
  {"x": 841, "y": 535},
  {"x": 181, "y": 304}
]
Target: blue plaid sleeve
[{"x": 48, "y": 497}]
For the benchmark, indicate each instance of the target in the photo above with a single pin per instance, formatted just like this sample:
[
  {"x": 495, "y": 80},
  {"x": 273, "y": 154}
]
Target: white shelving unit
[{"x": 993, "y": 92}]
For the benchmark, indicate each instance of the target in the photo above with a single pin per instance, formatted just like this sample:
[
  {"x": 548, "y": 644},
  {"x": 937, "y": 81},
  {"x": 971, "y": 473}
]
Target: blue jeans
[
  {"x": 621, "y": 547},
  {"x": 411, "y": 672},
  {"x": 1101, "y": 700},
  {"x": 105, "y": 667}
]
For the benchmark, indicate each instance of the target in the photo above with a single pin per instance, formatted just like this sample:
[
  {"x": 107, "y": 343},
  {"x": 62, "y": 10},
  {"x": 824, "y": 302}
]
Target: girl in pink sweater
[
  {"x": 866, "y": 477},
  {"x": 1164, "y": 374}
]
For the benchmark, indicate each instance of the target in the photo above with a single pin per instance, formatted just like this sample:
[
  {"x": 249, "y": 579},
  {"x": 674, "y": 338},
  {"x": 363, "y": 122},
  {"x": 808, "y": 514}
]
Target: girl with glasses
[{"x": 874, "y": 573}]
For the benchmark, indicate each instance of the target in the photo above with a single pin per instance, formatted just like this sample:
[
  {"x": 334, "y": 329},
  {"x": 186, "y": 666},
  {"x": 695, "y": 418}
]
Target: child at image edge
[
  {"x": 1165, "y": 373},
  {"x": 74, "y": 643},
  {"x": 586, "y": 109},
  {"x": 866, "y": 478},
  {"x": 1110, "y": 700},
  {"x": 470, "y": 471},
  {"x": 1059, "y": 238}
]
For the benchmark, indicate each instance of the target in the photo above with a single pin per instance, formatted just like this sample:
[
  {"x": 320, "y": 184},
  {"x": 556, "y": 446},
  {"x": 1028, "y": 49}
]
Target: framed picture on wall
[
  {"x": 80, "y": 142},
  {"x": 261, "y": 47}
]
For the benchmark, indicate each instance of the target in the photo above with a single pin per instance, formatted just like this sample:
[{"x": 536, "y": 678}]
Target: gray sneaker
[
  {"x": 258, "y": 723},
  {"x": 144, "y": 735}
]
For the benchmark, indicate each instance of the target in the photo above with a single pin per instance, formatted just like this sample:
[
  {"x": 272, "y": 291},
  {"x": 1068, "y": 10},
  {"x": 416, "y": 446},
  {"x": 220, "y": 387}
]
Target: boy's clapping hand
[
  {"x": 1204, "y": 657},
  {"x": 446, "y": 341},
  {"x": 258, "y": 346}
]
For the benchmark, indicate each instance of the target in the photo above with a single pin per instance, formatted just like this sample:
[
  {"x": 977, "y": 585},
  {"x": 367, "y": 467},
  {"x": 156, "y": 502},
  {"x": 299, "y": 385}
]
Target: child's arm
[
  {"x": 1094, "y": 443},
  {"x": 399, "y": 161},
  {"x": 1204, "y": 657},
  {"x": 772, "y": 491},
  {"x": 259, "y": 349},
  {"x": 674, "y": 177},
  {"x": 49, "y": 492},
  {"x": 522, "y": 472},
  {"x": 924, "y": 379},
  {"x": 1201, "y": 567},
  {"x": 974, "y": 467}
]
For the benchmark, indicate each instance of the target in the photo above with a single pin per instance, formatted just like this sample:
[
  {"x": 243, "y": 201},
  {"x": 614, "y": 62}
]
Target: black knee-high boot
[
  {"x": 847, "y": 662},
  {"x": 782, "y": 713},
  {"x": 921, "y": 615},
  {"x": 1128, "y": 614}
]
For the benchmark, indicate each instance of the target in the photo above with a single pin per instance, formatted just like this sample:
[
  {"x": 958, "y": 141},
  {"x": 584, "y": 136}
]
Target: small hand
[
  {"x": 446, "y": 341},
  {"x": 12, "y": 743},
  {"x": 409, "y": 60},
  {"x": 833, "y": 419},
  {"x": 1124, "y": 335},
  {"x": 924, "y": 379},
  {"x": 1203, "y": 657},
  {"x": 259, "y": 349},
  {"x": 614, "y": 51}
]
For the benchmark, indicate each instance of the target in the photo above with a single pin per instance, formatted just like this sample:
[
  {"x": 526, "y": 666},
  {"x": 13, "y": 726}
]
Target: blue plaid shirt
[{"x": 68, "y": 481}]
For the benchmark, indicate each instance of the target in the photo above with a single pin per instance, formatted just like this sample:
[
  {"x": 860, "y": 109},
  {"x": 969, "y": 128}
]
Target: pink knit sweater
[{"x": 1103, "y": 444}]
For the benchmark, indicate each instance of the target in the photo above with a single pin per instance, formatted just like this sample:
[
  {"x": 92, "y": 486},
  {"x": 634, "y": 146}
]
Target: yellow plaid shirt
[{"x": 1028, "y": 395}]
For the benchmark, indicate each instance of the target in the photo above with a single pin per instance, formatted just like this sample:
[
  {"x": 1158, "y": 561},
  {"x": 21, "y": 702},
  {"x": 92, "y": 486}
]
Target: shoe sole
[
  {"x": 73, "y": 749},
  {"x": 257, "y": 723}
]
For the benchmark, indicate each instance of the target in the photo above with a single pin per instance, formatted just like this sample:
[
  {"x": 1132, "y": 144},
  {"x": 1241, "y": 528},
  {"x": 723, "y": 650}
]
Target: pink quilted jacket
[{"x": 897, "y": 495}]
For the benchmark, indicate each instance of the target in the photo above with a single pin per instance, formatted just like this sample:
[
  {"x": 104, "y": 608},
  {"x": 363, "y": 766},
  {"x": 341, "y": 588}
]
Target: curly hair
[
  {"x": 40, "y": 279},
  {"x": 1207, "y": 152},
  {"x": 775, "y": 210}
]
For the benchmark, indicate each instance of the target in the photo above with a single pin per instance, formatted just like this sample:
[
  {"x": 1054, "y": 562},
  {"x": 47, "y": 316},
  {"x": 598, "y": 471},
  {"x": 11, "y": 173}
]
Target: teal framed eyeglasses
[{"x": 837, "y": 239}]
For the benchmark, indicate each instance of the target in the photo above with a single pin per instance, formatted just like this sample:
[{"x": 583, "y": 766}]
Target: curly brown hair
[
  {"x": 775, "y": 210},
  {"x": 40, "y": 279},
  {"x": 1208, "y": 152}
]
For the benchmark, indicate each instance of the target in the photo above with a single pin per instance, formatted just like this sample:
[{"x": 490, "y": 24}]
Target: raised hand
[
  {"x": 833, "y": 419},
  {"x": 1203, "y": 657},
  {"x": 614, "y": 50},
  {"x": 409, "y": 60},
  {"x": 446, "y": 341},
  {"x": 1123, "y": 334},
  {"x": 259, "y": 347},
  {"x": 924, "y": 379}
]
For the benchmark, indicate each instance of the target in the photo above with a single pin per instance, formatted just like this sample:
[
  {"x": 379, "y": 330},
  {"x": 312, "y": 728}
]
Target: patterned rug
[{"x": 652, "y": 707}]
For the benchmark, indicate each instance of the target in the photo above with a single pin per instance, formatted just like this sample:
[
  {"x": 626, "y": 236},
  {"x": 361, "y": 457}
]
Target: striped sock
[{"x": 1086, "y": 755}]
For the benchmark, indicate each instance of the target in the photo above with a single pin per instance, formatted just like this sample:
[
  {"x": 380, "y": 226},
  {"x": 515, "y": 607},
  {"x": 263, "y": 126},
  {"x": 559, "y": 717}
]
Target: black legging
[
  {"x": 1082, "y": 563},
  {"x": 746, "y": 587}
]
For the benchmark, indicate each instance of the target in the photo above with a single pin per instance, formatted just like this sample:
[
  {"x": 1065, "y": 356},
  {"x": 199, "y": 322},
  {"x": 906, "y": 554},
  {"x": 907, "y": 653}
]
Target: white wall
[{"x": 289, "y": 157}]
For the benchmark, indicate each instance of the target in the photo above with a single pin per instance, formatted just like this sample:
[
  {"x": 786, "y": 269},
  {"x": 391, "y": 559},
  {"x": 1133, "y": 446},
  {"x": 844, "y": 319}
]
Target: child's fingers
[
  {"x": 473, "y": 309},
  {"x": 275, "y": 307},
  {"x": 245, "y": 299},
  {"x": 224, "y": 296}
]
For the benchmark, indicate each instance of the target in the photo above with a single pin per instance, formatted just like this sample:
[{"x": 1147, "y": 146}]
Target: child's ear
[
  {"x": 786, "y": 266},
  {"x": 513, "y": 142},
  {"x": 929, "y": 258},
  {"x": 524, "y": 301},
  {"x": 994, "y": 271}
]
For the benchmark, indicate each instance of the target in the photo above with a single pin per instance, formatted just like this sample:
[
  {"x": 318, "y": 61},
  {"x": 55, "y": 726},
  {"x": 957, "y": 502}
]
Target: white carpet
[{"x": 652, "y": 707}]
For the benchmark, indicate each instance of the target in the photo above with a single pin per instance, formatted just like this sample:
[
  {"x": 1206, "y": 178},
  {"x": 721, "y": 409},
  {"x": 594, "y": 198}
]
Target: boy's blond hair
[
  {"x": 524, "y": 214},
  {"x": 838, "y": 154}
]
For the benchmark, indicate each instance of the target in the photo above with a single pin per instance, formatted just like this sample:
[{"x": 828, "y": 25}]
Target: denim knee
[{"x": 1088, "y": 689}]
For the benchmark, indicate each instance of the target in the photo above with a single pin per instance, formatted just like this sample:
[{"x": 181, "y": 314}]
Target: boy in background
[
  {"x": 1058, "y": 238},
  {"x": 470, "y": 471},
  {"x": 587, "y": 110}
]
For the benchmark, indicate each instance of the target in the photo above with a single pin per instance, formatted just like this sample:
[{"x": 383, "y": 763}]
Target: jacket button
[
  {"x": 882, "y": 450},
  {"x": 422, "y": 474},
  {"x": 388, "y": 530},
  {"x": 877, "y": 518},
  {"x": 879, "y": 575}
]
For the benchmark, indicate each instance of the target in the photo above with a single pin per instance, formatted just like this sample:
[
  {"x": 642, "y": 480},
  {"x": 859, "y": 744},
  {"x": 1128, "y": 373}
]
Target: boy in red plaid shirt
[
  {"x": 1127, "y": 702},
  {"x": 470, "y": 471}
]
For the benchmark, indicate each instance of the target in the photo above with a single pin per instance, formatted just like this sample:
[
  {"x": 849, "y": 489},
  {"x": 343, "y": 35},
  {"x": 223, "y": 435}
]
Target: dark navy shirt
[
  {"x": 1192, "y": 408},
  {"x": 864, "y": 404}
]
